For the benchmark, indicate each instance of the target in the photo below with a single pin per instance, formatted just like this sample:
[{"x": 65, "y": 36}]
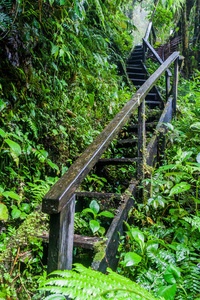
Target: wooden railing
[
  {"x": 59, "y": 202},
  {"x": 148, "y": 43}
]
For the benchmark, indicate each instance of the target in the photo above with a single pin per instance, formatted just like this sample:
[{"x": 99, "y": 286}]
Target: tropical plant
[{"x": 83, "y": 283}]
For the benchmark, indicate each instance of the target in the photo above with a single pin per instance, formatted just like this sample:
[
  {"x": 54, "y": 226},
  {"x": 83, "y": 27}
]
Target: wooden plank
[
  {"x": 61, "y": 238},
  {"x": 86, "y": 242},
  {"x": 116, "y": 161},
  {"x": 156, "y": 55},
  {"x": 152, "y": 148},
  {"x": 62, "y": 191},
  {"x": 141, "y": 146},
  {"x": 175, "y": 85},
  {"x": 116, "y": 228},
  {"x": 98, "y": 195}
]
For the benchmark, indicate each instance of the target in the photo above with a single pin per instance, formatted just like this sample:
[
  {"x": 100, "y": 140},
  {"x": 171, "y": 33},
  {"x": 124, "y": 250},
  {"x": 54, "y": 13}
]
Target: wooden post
[
  {"x": 141, "y": 144},
  {"x": 167, "y": 83},
  {"x": 175, "y": 85},
  {"x": 61, "y": 238},
  {"x": 144, "y": 51}
]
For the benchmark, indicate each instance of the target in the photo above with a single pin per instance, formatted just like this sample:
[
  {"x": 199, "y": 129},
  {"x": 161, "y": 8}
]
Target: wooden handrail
[
  {"x": 156, "y": 55},
  {"x": 64, "y": 189}
]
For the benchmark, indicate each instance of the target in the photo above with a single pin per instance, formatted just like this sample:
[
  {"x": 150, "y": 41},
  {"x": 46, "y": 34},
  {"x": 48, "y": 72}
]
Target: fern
[
  {"x": 99, "y": 11},
  {"x": 82, "y": 284},
  {"x": 194, "y": 221}
]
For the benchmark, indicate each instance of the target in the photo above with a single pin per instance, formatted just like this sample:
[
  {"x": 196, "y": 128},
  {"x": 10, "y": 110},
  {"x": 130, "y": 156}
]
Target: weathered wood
[
  {"x": 98, "y": 195},
  {"x": 132, "y": 127},
  {"x": 116, "y": 228},
  {"x": 152, "y": 148},
  {"x": 62, "y": 191},
  {"x": 167, "y": 85},
  {"x": 126, "y": 142},
  {"x": 81, "y": 241},
  {"x": 156, "y": 55},
  {"x": 141, "y": 146},
  {"x": 86, "y": 242},
  {"x": 61, "y": 238},
  {"x": 116, "y": 161},
  {"x": 175, "y": 85}
]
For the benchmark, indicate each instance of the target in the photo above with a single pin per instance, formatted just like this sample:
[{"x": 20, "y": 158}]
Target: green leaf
[
  {"x": 132, "y": 259},
  {"x": 2, "y": 105},
  {"x": 168, "y": 292},
  {"x": 15, "y": 213},
  {"x": 107, "y": 214},
  {"x": 2, "y": 133},
  {"x": 53, "y": 166},
  {"x": 14, "y": 146},
  {"x": 171, "y": 274},
  {"x": 195, "y": 126},
  {"x": 94, "y": 206},
  {"x": 88, "y": 210},
  {"x": 55, "y": 297},
  {"x": 94, "y": 225},
  {"x": 12, "y": 195},
  {"x": 3, "y": 212},
  {"x": 180, "y": 188},
  {"x": 51, "y": 2},
  {"x": 54, "y": 50}
]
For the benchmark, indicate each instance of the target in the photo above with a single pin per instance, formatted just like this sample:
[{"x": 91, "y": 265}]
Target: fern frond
[
  {"x": 99, "y": 11},
  {"x": 194, "y": 221},
  {"x": 82, "y": 283}
]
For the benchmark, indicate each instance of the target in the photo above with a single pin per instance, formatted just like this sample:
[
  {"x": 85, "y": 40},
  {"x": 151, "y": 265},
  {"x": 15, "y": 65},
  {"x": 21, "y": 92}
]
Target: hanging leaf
[
  {"x": 14, "y": 146},
  {"x": 107, "y": 214},
  {"x": 12, "y": 195},
  {"x": 53, "y": 166},
  {"x": 171, "y": 274},
  {"x": 94, "y": 225},
  {"x": 15, "y": 213},
  {"x": 94, "y": 206},
  {"x": 180, "y": 188},
  {"x": 3, "y": 212},
  {"x": 132, "y": 259},
  {"x": 2, "y": 133},
  {"x": 168, "y": 292}
]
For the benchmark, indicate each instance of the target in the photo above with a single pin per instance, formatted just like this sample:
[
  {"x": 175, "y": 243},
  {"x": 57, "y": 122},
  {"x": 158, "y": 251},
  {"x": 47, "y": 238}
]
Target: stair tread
[
  {"x": 133, "y": 73},
  {"x": 98, "y": 195},
  {"x": 117, "y": 161}
]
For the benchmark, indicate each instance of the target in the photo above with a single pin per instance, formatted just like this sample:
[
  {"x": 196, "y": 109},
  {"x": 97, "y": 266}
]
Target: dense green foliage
[
  {"x": 161, "y": 249},
  {"x": 59, "y": 87},
  {"x": 83, "y": 283}
]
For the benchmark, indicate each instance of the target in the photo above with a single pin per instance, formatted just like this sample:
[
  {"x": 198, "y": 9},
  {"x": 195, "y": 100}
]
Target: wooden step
[
  {"x": 116, "y": 161},
  {"x": 126, "y": 142},
  {"x": 135, "y": 68},
  {"x": 137, "y": 81},
  {"x": 138, "y": 47},
  {"x": 98, "y": 195},
  {"x": 152, "y": 96},
  {"x": 136, "y": 56},
  {"x": 132, "y": 127},
  {"x": 137, "y": 75},
  {"x": 134, "y": 61},
  {"x": 151, "y": 102}
]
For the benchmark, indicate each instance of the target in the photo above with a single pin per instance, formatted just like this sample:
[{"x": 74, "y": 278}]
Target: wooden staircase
[
  {"x": 138, "y": 74},
  {"x": 129, "y": 140}
]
